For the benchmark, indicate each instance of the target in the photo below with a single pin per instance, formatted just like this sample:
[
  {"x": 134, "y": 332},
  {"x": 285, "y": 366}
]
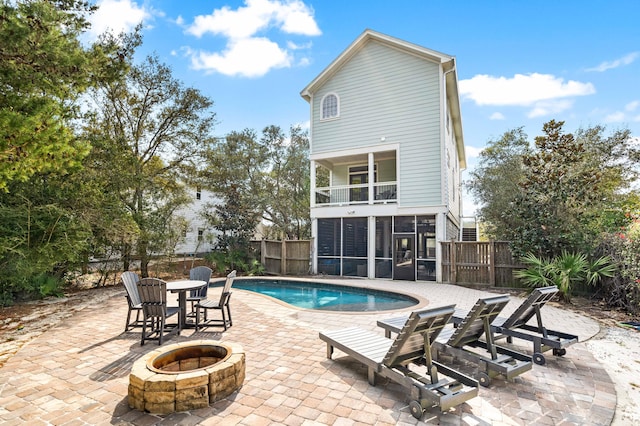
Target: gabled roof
[{"x": 447, "y": 62}]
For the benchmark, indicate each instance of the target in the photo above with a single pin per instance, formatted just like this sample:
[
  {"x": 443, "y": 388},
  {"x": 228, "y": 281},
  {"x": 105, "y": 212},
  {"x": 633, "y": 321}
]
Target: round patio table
[{"x": 181, "y": 287}]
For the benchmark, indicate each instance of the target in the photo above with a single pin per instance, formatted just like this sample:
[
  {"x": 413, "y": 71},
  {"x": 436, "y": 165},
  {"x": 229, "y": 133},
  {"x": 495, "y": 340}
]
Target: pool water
[{"x": 329, "y": 297}]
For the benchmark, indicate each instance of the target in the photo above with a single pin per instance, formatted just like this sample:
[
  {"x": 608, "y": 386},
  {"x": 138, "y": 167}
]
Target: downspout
[{"x": 443, "y": 223}]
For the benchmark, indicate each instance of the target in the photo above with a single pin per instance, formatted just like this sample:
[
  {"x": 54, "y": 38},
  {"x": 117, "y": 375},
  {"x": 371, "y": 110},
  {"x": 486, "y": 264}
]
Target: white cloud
[
  {"x": 291, "y": 45},
  {"x": 521, "y": 90},
  {"x": 246, "y": 54},
  {"x": 472, "y": 151},
  {"x": 616, "y": 117},
  {"x": 303, "y": 62},
  {"x": 549, "y": 107},
  {"x": 117, "y": 16},
  {"x": 497, "y": 116},
  {"x": 632, "y": 106},
  {"x": 252, "y": 57},
  {"x": 625, "y": 60},
  {"x": 292, "y": 17}
]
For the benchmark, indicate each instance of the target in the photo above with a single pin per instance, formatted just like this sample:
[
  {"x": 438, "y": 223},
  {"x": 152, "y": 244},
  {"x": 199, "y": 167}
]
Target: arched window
[{"x": 330, "y": 106}]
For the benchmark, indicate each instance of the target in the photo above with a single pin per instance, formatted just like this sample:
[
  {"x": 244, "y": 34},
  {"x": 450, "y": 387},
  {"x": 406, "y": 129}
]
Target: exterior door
[
  {"x": 404, "y": 267},
  {"x": 359, "y": 194}
]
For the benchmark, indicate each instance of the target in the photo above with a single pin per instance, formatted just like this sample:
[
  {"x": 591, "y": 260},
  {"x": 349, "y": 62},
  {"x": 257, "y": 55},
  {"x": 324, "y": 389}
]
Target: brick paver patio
[{"x": 77, "y": 372}]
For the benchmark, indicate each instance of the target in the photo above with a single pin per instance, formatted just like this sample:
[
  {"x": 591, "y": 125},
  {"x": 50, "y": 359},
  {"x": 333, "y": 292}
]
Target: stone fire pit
[{"x": 186, "y": 376}]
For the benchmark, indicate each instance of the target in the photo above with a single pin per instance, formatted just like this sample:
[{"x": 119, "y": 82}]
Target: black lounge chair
[
  {"x": 221, "y": 305},
  {"x": 393, "y": 359},
  {"x": 153, "y": 297},
  {"x": 516, "y": 326},
  {"x": 464, "y": 342}
]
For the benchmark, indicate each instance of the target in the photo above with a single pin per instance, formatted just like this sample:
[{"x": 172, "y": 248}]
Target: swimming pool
[{"x": 328, "y": 297}]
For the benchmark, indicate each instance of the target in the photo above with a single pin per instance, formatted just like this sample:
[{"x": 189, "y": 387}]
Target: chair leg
[
  {"x": 198, "y": 316},
  {"x": 161, "y": 330},
  {"x": 144, "y": 330},
  {"x": 224, "y": 319},
  {"x": 126, "y": 326},
  {"x": 229, "y": 314}
]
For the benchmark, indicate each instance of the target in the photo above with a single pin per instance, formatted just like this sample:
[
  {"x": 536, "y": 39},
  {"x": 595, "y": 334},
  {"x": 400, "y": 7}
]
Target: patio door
[{"x": 404, "y": 248}]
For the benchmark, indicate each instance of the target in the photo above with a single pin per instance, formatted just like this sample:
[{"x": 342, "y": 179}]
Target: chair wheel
[
  {"x": 539, "y": 359},
  {"x": 484, "y": 379},
  {"x": 416, "y": 409},
  {"x": 560, "y": 352}
]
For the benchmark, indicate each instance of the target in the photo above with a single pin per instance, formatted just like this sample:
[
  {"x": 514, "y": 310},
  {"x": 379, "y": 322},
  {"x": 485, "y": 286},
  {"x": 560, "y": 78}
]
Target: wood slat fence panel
[
  {"x": 479, "y": 262},
  {"x": 289, "y": 257}
]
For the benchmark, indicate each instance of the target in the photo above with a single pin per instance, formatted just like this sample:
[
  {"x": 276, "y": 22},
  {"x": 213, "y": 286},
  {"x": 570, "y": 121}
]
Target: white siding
[
  {"x": 192, "y": 213},
  {"x": 388, "y": 93}
]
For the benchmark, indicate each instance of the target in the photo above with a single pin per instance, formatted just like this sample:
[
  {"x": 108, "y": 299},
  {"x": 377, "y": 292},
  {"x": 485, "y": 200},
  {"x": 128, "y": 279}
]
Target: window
[
  {"x": 200, "y": 234},
  {"x": 198, "y": 193},
  {"x": 330, "y": 106}
]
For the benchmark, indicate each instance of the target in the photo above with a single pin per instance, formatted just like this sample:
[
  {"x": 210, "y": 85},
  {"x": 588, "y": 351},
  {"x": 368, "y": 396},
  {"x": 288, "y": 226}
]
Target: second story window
[
  {"x": 330, "y": 106},
  {"x": 198, "y": 193}
]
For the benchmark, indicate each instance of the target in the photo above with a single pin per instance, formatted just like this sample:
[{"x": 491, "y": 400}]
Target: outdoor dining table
[{"x": 182, "y": 287}]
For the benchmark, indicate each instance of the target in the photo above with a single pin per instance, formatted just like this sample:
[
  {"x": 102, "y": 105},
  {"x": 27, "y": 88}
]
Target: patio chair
[
  {"x": 199, "y": 273},
  {"x": 130, "y": 280},
  {"x": 405, "y": 359},
  {"x": 221, "y": 305},
  {"x": 516, "y": 326},
  {"x": 153, "y": 297},
  {"x": 464, "y": 340}
]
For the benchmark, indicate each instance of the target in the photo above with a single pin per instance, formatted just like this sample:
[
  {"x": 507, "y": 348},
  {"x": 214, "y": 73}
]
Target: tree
[
  {"x": 287, "y": 184},
  {"x": 44, "y": 71},
  {"x": 495, "y": 181},
  {"x": 148, "y": 132},
  {"x": 235, "y": 221},
  {"x": 566, "y": 190},
  {"x": 44, "y": 68}
]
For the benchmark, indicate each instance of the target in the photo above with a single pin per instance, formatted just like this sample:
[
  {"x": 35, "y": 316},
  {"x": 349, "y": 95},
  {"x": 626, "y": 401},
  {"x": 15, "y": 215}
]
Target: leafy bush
[
  {"x": 623, "y": 289},
  {"x": 226, "y": 261},
  {"x": 564, "y": 271}
]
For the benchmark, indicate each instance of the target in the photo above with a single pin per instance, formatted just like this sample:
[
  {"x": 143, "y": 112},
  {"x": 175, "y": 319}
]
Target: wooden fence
[
  {"x": 478, "y": 262},
  {"x": 290, "y": 257}
]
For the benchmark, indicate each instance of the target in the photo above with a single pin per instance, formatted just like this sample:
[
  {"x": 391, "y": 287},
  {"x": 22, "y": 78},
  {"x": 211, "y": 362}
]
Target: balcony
[{"x": 345, "y": 195}]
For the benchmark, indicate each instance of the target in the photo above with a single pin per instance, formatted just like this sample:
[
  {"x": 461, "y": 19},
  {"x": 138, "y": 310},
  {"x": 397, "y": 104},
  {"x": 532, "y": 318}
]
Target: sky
[{"x": 520, "y": 63}]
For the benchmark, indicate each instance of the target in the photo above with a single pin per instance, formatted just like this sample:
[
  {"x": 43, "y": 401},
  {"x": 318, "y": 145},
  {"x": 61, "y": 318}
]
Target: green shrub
[
  {"x": 623, "y": 289},
  {"x": 564, "y": 271}
]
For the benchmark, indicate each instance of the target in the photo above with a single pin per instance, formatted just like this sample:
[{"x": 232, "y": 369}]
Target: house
[
  {"x": 198, "y": 237},
  {"x": 386, "y": 157}
]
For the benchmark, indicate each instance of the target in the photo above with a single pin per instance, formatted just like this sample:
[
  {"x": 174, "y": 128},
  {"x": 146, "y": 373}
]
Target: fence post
[
  {"x": 263, "y": 252},
  {"x": 454, "y": 268},
  {"x": 283, "y": 258},
  {"x": 492, "y": 263}
]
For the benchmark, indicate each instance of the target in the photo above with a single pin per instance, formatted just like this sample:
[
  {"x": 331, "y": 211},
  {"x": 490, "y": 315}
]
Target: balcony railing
[{"x": 344, "y": 195}]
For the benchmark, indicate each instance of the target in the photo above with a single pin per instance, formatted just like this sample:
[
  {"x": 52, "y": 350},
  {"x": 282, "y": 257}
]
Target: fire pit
[{"x": 186, "y": 376}]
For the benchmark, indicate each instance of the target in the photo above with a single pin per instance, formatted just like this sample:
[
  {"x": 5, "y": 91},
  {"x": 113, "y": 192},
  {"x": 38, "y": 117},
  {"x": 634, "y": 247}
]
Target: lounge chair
[
  {"x": 153, "y": 297},
  {"x": 516, "y": 326},
  {"x": 464, "y": 342},
  {"x": 222, "y": 305},
  {"x": 399, "y": 360},
  {"x": 130, "y": 280}
]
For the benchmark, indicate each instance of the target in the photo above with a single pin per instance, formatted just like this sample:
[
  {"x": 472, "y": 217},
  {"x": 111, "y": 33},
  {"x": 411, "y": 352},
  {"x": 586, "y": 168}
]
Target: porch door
[
  {"x": 404, "y": 248},
  {"x": 359, "y": 194}
]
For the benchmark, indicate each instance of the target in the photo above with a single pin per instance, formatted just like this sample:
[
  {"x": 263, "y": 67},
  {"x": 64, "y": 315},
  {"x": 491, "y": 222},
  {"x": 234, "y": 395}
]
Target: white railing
[{"x": 384, "y": 192}]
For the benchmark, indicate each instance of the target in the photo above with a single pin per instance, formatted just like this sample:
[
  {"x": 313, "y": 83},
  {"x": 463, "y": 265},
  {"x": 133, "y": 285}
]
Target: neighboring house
[
  {"x": 198, "y": 236},
  {"x": 386, "y": 130}
]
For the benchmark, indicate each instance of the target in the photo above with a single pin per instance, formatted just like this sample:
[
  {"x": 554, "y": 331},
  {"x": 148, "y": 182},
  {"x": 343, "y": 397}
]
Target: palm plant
[{"x": 564, "y": 271}]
